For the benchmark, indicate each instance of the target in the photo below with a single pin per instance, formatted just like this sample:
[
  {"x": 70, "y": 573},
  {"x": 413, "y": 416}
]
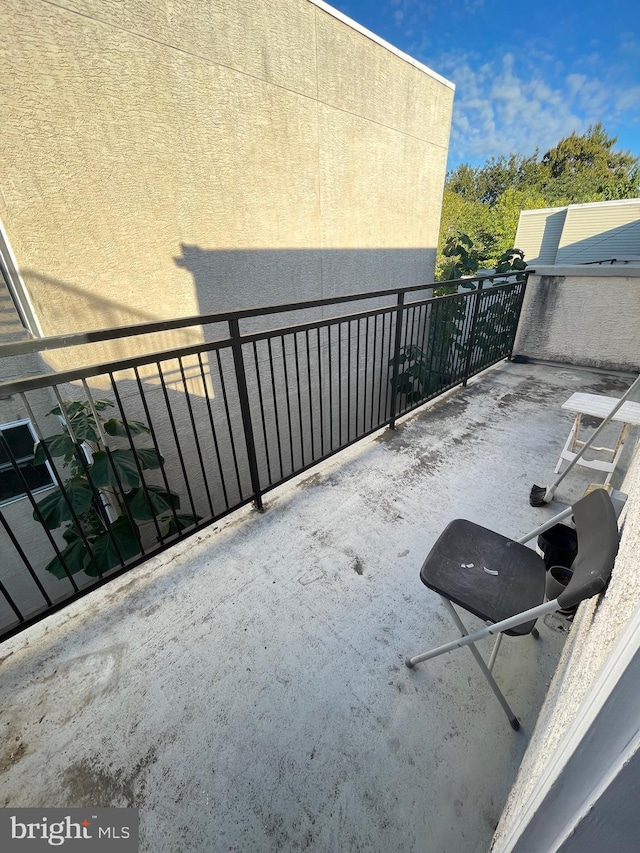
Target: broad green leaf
[
  {"x": 116, "y": 427},
  {"x": 55, "y": 509},
  {"x": 101, "y": 405},
  {"x": 71, "y": 408},
  {"x": 105, "y": 551},
  {"x": 149, "y": 458},
  {"x": 158, "y": 502},
  {"x": 57, "y": 445},
  {"x": 103, "y": 470},
  {"x": 84, "y": 427},
  {"x": 75, "y": 556},
  {"x": 184, "y": 520}
]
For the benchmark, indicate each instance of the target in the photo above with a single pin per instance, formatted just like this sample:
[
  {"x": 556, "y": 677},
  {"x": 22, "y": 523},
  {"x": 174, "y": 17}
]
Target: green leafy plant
[
  {"x": 495, "y": 321},
  {"x": 104, "y": 489},
  {"x": 423, "y": 372},
  {"x": 464, "y": 258},
  {"x": 512, "y": 260}
]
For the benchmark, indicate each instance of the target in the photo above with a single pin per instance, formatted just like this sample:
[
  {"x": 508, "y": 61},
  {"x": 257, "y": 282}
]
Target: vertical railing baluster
[
  {"x": 232, "y": 440},
  {"x": 320, "y": 393},
  {"x": 176, "y": 438},
  {"x": 245, "y": 409},
  {"x": 5, "y": 592},
  {"x": 373, "y": 368},
  {"x": 262, "y": 415},
  {"x": 329, "y": 356},
  {"x": 287, "y": 389},
  {"x": 340, "y": 384},
  {"x": 216, "y": 446},
  {"x": 516, "y": 322},
  {"x": 396, "y": 359},
  {"x": 74, "y": 518},
  {"x": 25, "y": 559},
  {"x": 472, "y": 333},
  {"x": 299, "y": 395},
  {"x": 152, "y": 433},
  {"x": 275, "y": 407},
  {"x": 107, "y": 449},
  {"x": 349, "y": 381}
]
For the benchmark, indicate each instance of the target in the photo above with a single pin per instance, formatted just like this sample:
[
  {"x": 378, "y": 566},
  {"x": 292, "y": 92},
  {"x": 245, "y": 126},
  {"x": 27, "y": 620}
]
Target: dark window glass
[{"x": 20, "y": 441}]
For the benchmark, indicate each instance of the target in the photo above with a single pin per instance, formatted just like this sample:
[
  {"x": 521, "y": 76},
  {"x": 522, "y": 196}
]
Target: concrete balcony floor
[{"x": 246, "y": 689}]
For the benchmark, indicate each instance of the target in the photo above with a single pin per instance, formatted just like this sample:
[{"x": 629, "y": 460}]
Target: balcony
[{"x": 245, "y": 686}]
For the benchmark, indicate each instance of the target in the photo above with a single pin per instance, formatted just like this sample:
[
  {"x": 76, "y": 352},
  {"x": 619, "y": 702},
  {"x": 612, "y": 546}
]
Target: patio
[{"x": 246, "y": 688}]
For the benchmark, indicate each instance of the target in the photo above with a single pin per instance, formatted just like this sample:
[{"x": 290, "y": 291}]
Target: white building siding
[
  {"x": 596, "y": 232},
  {"x": 539, "y": 233},
  {"x": 580, "y": 233}
]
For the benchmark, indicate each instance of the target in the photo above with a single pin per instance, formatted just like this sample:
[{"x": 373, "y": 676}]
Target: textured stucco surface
[
  {"x": 150, "y": 149},
  {"x": 596, "y": 628},
  {"x": 590, "y": 318}
]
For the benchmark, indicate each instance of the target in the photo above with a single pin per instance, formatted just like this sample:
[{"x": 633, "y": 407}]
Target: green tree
[
  {"x": 485, "y": 202},
  {"x": 585, "y": 168}
]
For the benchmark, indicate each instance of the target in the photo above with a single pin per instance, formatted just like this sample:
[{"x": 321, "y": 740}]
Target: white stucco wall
[
  {"x": 168, "y": 159},
  {"x": 582, "y": 315}
]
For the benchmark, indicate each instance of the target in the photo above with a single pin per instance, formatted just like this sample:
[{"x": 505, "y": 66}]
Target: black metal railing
[{"x": 146, "y": 450}]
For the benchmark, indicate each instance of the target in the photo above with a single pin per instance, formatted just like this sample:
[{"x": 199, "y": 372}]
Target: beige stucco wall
[
  {"x": 163, "y": 159},
  {"x": 582, "y": 315},
  {"x": 598, "y": 625}
]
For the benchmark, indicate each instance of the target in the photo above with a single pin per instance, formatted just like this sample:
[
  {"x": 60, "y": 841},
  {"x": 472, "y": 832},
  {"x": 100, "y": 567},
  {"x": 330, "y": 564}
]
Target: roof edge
[{"x": 365, "y": 32}]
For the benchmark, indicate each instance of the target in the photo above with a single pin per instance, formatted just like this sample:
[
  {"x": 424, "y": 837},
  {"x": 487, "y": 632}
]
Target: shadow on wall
[
  {"x": 11, "y": 329},
  {"x": 553, "y": 226},
  {"x": 86, "y": 310},
  {"x": 231, "y": 279}
]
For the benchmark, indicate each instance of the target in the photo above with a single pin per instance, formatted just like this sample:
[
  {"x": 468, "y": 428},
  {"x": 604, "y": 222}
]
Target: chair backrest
[{"x": 598, "y": 540}]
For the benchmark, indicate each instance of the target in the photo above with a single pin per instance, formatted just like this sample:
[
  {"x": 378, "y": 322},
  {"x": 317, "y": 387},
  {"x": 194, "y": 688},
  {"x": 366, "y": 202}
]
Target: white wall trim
[
  {"x": 16, "y": 286},
  {"x": 365, "y": 32},
  {"x": 628, "y": 270},
  {"x": 592, "y": 705}
]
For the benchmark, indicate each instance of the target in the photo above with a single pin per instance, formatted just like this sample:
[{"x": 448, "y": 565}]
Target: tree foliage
[{"x": 485, "y": 202}]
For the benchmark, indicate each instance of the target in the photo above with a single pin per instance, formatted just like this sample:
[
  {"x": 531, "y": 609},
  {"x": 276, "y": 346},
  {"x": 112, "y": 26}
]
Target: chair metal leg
[
  {"x": 515, "y": 724},
  {"x": 469, "y": 640},
  {"x": 494, "y": 651}
]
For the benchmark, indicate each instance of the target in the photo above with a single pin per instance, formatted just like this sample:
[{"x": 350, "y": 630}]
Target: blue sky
[{"x": 526, "y": 73}]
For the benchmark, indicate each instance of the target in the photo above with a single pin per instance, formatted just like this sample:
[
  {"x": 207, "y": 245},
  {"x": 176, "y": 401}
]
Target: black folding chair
[{"x": 503, "y": 582}]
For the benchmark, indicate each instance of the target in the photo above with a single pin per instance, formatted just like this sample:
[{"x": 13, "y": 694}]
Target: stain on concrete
[
  {"x": 319, "y": 480},
  {"x": 357, "y": 566},
  {"x": 89, "y": 782},
  {"x": 13, "y": 750},
  {"x": 609, "y": 385},
  {"x": 87, "y": 678},
  {"x": 310, "y": 482}
]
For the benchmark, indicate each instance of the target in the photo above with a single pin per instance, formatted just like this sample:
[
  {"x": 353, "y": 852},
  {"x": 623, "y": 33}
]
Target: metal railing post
[
  {"x": 472, "y": 333},
  {"x": 245, "y": 409},
  {"x": 516, "y": 321},
  {"x": 396, "y": 360}
]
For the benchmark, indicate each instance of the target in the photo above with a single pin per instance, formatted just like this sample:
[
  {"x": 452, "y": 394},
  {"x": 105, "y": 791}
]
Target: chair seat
[{"x": 462, "y": 567}]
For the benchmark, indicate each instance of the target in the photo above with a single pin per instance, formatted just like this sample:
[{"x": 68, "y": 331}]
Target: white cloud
[
  {"x": 629, "y": 99},
  {"x": 517, "y": 105}
]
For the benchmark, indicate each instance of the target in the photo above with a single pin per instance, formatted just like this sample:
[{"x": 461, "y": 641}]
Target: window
[{"x": 20, "y": 438}]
